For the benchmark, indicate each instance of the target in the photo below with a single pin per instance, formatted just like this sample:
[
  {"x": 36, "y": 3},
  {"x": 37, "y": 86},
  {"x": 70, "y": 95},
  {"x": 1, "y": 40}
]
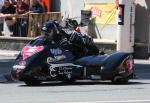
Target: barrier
[
  {"x": 28, "y": 26},
  {"x": 36, "y": 20}
]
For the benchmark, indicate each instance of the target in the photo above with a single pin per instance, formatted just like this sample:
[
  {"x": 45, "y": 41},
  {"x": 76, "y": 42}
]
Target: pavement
[{"x": 10, "y": 53}]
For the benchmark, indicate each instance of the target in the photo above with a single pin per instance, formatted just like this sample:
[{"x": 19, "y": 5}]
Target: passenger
[{"x": 74, "y": 41}]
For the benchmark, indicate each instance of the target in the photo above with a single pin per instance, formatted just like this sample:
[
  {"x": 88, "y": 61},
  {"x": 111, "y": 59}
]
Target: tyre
[
  {"x": 32, "y": 82},
  {"x": 119, "y": 80}
]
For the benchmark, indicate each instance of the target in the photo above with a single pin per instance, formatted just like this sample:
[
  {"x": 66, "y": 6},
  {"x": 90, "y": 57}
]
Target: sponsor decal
[
  {"x": 22, "y": 63},
  {"x": 29, "y": 50},
  {"x": 96, "y": 11},
  {"x": 104, "y": 13},
  {"x": 52, "y": 72},
  {"x": 63, "y": 69},
  {"x": 56, "y": 58},
  {"x": 56, "y": 51},
  {"x": 121, "y": 14},
  {"x": 19, "y": 67}
]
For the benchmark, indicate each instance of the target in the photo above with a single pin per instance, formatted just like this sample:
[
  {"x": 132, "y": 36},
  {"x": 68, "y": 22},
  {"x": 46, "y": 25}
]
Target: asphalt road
[{"x": 136, "y": 91}]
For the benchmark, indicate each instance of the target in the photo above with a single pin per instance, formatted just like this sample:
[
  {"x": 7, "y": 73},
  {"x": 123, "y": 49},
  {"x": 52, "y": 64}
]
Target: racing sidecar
[{"x": 42, "y": 60}]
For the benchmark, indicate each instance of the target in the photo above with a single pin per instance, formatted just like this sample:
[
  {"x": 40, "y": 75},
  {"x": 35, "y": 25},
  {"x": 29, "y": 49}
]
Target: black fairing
[
  {"x": 102, "y": 65},
  {"x": 39, "y": 59},
  {"x": 107, "y": 63},
  {"x": 111, "y": 63}
]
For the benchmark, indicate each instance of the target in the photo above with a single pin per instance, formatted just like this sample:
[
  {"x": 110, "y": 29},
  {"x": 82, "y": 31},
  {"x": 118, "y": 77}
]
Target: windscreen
[{"x": 38, "y": 42}]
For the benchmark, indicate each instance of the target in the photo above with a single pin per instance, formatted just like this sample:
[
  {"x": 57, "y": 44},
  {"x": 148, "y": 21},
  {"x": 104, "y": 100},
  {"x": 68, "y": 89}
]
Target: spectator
[
  {"x": 36, "y": 7},
  {"x": 7, "y": 11},
  {"x": 26, "y": 2},
  {"x": 1, "y": 21},
  {"x": 7, "y": 8},
  {"x": 21, "y": 7},
  {"x": 14, "y": 2},
  {"x": 22, "y": 22}
]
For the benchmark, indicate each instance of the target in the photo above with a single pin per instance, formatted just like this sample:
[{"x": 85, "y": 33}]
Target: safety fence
[{"x": 27, "y": 26}]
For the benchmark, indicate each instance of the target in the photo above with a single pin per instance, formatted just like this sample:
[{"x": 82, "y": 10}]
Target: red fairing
[
  {"x": 77, "y": 29},
  {"x": 29, "y": 50},
  {"x": 126, "y": 65}
]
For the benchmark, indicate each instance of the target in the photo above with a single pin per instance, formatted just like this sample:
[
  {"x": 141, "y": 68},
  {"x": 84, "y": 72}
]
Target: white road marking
[{"x": 119, "y": 101}]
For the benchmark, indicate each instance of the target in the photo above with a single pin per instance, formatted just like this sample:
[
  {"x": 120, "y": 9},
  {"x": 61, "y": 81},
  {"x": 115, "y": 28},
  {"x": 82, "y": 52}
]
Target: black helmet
[
  {"x": 49, "y": 28},
  {"x": 75, "y": 24},
  {"x": 71, "y": 23}
]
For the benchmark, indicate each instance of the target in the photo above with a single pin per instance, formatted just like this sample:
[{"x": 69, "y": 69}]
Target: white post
[
  {"x": 70, "y": 7},
  {"x": 125, "y": 31}
]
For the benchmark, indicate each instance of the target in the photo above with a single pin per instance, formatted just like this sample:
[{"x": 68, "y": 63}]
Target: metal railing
[
  {"x": 36, "y": 20},
  {"x": 28, "y": 26}
]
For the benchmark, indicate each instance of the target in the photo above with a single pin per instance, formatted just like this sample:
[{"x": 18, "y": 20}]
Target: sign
[
  {"x": 56, "y": 51},
  {"x": 105, "y": 13},
  {"x": 121, "y": 15}
]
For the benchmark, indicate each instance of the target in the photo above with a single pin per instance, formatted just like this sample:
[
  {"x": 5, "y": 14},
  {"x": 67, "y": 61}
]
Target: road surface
[{"x": 136, "y": 91}]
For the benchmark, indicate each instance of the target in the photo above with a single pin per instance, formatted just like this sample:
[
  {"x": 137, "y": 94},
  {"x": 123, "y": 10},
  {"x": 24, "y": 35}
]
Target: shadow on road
[{"x": 80, "y": 83}]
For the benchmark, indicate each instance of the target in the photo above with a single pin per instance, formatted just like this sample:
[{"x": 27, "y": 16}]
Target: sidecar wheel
[
  {"x": 32, "y": 82},
  {"x": 119, "y": 80}
]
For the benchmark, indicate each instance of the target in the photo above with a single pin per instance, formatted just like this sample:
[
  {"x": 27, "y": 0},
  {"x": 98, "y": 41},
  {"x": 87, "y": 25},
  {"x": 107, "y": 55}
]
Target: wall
[
  {"x": 142, "y": 21},
  {"x": 142, "y": 28},
  {"x": 72, "y": 8}
]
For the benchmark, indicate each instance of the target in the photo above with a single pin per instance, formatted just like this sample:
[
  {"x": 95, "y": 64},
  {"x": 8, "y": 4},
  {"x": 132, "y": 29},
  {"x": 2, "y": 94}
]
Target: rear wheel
[{"x": 119, "y": 80}]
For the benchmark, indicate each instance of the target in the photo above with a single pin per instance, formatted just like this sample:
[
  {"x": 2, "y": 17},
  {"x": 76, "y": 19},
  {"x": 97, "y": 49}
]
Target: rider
[{"x": 74, "y": 41}]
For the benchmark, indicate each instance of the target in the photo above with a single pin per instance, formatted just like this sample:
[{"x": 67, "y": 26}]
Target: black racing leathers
[{"x": 78, "y": 44}]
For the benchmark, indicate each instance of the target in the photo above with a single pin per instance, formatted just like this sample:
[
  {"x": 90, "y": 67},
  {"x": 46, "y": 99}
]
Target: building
[{"x": 72, "y": 8}]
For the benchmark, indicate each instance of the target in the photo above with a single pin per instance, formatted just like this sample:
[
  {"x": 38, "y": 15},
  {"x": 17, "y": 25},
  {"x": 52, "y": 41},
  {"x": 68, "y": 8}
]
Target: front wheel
[{"x": 32, "y": 82}]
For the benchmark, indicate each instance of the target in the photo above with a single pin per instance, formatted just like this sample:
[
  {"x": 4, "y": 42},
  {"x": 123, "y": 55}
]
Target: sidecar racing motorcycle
[{"x": 41, "y": 60}]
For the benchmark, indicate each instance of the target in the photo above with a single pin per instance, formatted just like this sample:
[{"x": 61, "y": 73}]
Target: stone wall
[{"x": 13, "y": 43}]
